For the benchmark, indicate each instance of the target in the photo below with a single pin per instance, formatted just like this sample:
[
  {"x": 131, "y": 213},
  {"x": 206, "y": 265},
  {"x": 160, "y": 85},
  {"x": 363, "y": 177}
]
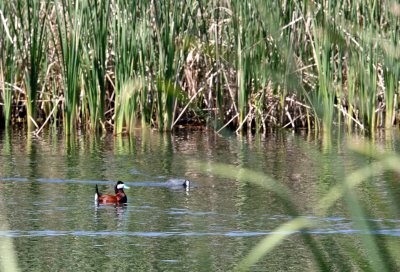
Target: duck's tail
[{"x": 97, "y": 195}]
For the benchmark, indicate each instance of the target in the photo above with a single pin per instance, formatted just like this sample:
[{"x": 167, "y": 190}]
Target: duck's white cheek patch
[{"x": 120, "y": 186}]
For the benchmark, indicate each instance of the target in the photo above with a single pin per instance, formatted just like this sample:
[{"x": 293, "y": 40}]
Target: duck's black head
[{"x": 120, "y": 186}]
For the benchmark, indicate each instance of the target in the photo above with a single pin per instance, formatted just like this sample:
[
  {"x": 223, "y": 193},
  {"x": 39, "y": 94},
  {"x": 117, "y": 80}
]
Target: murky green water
[{"x": 51, "y": 223}]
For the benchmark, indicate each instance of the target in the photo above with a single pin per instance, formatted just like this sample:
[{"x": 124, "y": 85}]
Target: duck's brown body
[
  {"x": 111, "y": 199},
  {"x": 118, "y": 198}
]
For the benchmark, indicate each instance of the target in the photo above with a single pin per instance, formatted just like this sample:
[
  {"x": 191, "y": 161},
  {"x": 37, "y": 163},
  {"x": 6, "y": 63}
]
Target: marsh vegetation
[{"x": 246, "y": 65}]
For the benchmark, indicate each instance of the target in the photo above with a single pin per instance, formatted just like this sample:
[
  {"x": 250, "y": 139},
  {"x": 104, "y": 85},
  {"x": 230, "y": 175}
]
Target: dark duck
[
  {"x": 178, "y": 183},
  {"x": 118, "y": 198}
]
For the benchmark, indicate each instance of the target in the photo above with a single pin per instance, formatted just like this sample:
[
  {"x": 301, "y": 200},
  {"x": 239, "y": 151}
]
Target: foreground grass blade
[{"x": 378, "y": 256}]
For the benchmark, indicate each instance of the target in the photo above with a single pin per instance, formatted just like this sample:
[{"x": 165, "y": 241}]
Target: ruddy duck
[
  {"x": 178, "y": 182},
  {"x": 118, "y": 198}
]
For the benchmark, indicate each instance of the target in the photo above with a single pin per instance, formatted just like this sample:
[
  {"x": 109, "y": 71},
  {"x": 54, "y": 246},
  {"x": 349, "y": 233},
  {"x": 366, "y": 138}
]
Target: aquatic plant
[
  {"x": 29, "y": 28},
  {"x": 69, "y": 25},
  {"x": 97, "y": 14},
  {"x": 6, "y": 90},
  {"x": 127, "y": 43},
  {"x": 244, "y": 65}
]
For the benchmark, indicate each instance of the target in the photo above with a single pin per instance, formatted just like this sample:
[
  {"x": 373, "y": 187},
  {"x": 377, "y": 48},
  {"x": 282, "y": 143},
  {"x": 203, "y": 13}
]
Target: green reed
[
  {"x": 7, "y": 74},
  {"x": 351, "y": 78},
  {"x": 369, "y": 89},
  {"x": 391, "y": 85},
  {"x": 97, "y": 13},
  {"x": 29, "y": 28},
  {"x": 124, "y": 42},
  {"x": 391, "y": 76},
  {"x": 325, "y": 91},
  {"x": 7, "y": 91},
  {"x": 7, "y": 69},
  {"x": 216, "y": 34},
  {"x": 168, "y": 28},
  {"x": 69, "y": 23},
  {"x": 323, "y": 62}
]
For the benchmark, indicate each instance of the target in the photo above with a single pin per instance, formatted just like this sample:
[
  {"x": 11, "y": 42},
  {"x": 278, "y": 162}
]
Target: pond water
[{"x": 49, "y": 221}]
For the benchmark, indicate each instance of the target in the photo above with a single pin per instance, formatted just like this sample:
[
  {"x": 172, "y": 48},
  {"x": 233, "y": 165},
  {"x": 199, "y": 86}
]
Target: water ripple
[
  {"x": 93, "y": 182},
  {"x": 55, "y": 233}
]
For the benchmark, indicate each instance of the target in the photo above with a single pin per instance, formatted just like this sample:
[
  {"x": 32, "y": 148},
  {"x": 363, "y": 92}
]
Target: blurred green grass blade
[
  {"x": 246, "y": 175},
  {"x": 267, "y": 244},
  {"x": 8, "y": 256},
  {"x": 376, "y": 255}
]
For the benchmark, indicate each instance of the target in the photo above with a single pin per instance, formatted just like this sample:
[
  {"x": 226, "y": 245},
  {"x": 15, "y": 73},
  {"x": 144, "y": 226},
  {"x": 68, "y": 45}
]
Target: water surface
[{"x": 49, "y": 214}]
